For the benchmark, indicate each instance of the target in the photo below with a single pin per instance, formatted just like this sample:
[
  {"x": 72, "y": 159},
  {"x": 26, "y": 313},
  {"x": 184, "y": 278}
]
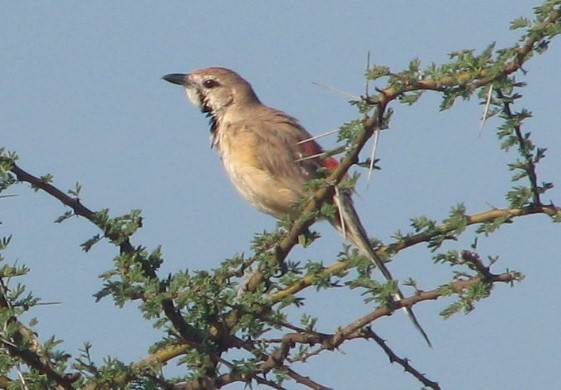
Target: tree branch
[
  {"x": 412, "y": 240},
  {"x": 24, "y": 344},
  {"x": 524, "y": 150},
  {"x": 186, "y": 331},
  {"x": 403, "y": 362},
  {"x": 471, "y": 80},
  {"x": 354, "y": 329}
]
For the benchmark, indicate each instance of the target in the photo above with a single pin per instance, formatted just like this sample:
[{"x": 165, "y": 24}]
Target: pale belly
[
  {"x": 261, "y": 190},
  {"x": 263, "y": 184}
]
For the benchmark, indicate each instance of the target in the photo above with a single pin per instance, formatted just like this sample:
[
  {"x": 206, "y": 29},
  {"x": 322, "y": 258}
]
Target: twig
[
  {"x": 412, "y": 240},
  {"x": 189, "y": 333},
  {"x": 356, "y": 328},
  {"x": 352, "y": 330},
  {"x": 531, "y": 169},
  {"x": 403, "y": 362},
  {"x": 476, "y": 263},
  {"x": 25, "y": 345},
  {"x": 482, "y": 78},
  {"x": 306, "y": 381}
]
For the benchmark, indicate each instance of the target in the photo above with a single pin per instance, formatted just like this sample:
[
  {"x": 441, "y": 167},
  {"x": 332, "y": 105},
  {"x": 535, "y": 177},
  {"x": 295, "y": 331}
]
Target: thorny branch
[
  {"x": 482, "y": 78},
  {"x": 290, "y": 240},
  {"x": 476, "y": 263},
  {"x": 171, "y": 352},
  {"x": 403, "y": 362},
  {"x": 372, "y": 123},
  {"x": 412, "y": 240},
  {"x": 522, "y": 142},
  {"x": 357, "y": 329},
  {"x": 279, "y": 358},
  {"x": 185, "y": 330},
  {"x": 32, "y": 356}
]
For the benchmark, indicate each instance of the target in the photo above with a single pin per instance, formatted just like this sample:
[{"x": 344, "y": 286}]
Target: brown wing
[{"x": 287, "y": 152}]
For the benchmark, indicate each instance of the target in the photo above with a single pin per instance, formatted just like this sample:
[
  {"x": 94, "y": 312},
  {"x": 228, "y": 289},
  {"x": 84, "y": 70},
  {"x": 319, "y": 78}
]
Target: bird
[{"x": 269, "y": 156}]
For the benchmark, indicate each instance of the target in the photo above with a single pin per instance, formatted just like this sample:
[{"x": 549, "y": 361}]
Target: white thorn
[
  {"x": 340, "y": 209},
  {"x": 336, "y": 90},
  {"x": 310, "y": 157},
  {"x": 372, "y": 157},
  {"x": 486, "y": 109},
  {"x": 367, "y": 84},
  {"x": 317, "y": 136}
]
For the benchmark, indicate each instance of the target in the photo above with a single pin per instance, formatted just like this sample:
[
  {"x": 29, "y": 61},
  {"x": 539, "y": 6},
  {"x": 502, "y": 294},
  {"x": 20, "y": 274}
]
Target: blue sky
[{"x": 82, "y": 99}]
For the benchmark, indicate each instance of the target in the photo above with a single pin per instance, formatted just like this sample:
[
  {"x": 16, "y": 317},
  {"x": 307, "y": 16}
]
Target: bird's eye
[{"x": 210, "y": 83}]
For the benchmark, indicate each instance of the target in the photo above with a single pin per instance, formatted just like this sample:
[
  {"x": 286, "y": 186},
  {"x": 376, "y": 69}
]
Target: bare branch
[
  {"x": 355, "y": 328},
  {"x": 403, "y": 362}
]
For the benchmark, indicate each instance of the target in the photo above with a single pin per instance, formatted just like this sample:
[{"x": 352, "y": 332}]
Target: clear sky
[{"x": 81, "y": 98}]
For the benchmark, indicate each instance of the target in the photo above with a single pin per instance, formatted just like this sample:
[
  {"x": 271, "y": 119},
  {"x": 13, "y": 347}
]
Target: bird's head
[{"x": 215, "y": 90}]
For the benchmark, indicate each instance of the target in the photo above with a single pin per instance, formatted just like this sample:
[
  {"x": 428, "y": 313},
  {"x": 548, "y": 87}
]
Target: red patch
[
  {"x": 311, "y": 148},
  {"x": 330, "y": 163}
]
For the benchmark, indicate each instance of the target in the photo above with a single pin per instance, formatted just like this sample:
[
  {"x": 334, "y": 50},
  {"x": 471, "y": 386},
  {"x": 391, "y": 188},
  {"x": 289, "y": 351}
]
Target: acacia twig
[
  {"x": 403, "y": 362},
  {"x": 186, "y": 331}
]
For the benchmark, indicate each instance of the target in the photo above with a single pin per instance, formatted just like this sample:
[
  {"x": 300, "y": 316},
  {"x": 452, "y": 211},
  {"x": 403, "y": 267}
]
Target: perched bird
[{"x": 268, "y": 155}]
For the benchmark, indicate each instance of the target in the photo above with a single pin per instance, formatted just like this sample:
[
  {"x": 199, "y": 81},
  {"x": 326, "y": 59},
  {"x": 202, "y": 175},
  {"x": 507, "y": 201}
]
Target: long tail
[{"x": 349, "y": 225}]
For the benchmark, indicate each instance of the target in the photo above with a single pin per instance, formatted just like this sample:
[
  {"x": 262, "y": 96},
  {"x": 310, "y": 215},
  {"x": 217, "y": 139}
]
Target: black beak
[{"x": 176, "y": 78}]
